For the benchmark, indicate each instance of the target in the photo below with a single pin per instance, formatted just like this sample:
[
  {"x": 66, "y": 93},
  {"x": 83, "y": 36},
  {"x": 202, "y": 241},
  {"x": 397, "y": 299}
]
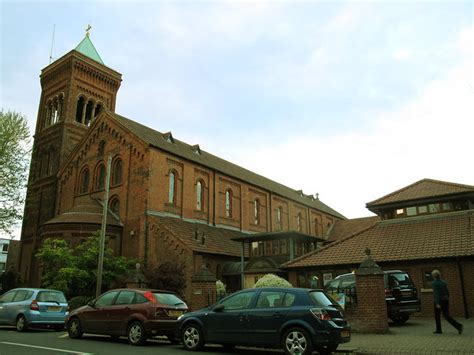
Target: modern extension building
[{"x": 424, "y": 226}]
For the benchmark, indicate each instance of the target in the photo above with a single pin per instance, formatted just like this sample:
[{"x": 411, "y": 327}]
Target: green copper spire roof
[{"x": 87, "y": 48}]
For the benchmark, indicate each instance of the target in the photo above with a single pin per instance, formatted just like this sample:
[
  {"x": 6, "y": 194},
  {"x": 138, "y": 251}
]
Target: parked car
[
  {"x": 33, "y": 307},
  {"x": 295, "y": 319},
  {"x": 135, "y": 313},
  {"x": 400, "y": 293}
]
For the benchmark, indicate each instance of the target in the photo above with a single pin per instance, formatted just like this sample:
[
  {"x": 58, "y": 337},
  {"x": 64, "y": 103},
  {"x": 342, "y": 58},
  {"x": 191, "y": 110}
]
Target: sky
[{"x": 348, "y": 99}]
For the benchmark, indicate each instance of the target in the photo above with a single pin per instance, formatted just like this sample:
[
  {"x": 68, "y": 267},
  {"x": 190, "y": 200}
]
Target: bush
[
  {"x": 220, "y": 289},
  {"x": 79, "y": 301},
  {"x": 168, "y": 276},
  {"x": 271, "y": 280}
]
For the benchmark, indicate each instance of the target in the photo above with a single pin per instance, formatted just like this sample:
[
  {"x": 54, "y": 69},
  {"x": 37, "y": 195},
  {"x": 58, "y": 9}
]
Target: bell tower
[{"x": 75, "y": 89}]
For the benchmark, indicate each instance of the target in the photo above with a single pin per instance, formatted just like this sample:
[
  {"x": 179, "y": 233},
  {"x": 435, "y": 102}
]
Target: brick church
[{"x": 168, "y": 200}]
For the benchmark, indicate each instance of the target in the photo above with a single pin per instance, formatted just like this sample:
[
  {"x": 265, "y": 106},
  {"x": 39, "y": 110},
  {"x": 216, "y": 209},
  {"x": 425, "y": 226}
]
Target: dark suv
[
  {"x": 400, "y": 293},
  {"x": 295, "y": 319}
]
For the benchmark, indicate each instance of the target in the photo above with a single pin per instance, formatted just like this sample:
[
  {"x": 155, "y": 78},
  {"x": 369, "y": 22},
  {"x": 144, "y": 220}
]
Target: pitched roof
[
  {"x": 422, "y": 189},
  {"x": 201, "y": 237},
  {"x": 87, "y": 48},
  {"x": 343, "y": 228},
  {"x": 90, "y": 213},
  {"x": 427, "y": 237},
  {"x": 166, "y": 142}
]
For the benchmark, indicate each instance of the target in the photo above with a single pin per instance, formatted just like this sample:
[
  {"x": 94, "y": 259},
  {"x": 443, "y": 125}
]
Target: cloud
[{"x": 429, "y": 136}]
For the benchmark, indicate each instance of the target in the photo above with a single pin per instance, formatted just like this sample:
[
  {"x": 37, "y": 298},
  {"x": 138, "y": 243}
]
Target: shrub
[
  {"x": 79, "y": 301},
  {"x": 220, "y": 289},
  {"x": 271, "y": 280}
]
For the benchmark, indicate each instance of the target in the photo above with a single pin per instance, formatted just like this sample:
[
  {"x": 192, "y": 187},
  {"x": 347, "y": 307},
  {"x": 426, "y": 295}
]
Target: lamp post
[{"x": 100, "y": 265}]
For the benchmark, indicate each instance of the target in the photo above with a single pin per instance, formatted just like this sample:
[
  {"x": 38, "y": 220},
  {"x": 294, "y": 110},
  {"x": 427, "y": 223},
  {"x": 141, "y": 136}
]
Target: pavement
[{"x": 414, "y": 337}]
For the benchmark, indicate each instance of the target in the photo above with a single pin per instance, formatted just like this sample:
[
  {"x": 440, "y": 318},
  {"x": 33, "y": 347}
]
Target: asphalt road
[{"x": 42, "y": 342}]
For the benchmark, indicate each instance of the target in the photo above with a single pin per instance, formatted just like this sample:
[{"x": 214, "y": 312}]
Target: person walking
[{"x": 441, "y": 303}]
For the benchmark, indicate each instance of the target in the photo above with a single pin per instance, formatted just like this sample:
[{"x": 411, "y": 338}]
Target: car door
[
  {"x": 7, "y": 315},
  {"x": 229, "y": 325},
  {"x": 266, "y": 318},
  {"x": 96, "y": 319},
  {"x": 120, "y": 312}
]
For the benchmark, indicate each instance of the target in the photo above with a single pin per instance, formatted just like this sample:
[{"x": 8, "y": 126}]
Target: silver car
[{"x": 33, "y": 307}]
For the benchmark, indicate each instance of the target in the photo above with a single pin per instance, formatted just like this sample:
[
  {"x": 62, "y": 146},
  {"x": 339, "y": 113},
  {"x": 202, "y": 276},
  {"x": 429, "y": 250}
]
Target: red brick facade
[{"x": 62, "y": 201}]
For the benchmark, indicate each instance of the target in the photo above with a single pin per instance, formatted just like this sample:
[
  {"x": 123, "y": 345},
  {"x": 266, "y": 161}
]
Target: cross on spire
[{"x": 88, "y": 28}]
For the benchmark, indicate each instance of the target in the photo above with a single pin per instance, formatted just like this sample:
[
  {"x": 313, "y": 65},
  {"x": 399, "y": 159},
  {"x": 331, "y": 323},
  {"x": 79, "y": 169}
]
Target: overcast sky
[{"x": 348, "y": 99}]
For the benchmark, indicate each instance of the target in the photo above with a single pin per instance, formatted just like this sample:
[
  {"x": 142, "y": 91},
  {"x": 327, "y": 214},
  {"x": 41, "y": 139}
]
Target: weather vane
[{"x": 88, "y": 28}]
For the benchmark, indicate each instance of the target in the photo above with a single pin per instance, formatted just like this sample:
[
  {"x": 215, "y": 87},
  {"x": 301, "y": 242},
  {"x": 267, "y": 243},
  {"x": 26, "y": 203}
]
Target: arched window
[
  {"x": 114, "y": 205},
  {"x": 88, "y": 116},
  {"x": 199, "y": 196},
  {"x": 84, "y": 181},
  {"x": 298, "y": 222},
  {"x": 101, "y": 150},
  {"x": 279, "y": 224},
  {"x": 80, "y": 109},
  {"x": 117, "y": 172},
  {"x": 228, "y": 203},
  {"x": 100, "y": 177},
  {"x": 256, "y": 211},
  {"x": 172, "y": 188}
]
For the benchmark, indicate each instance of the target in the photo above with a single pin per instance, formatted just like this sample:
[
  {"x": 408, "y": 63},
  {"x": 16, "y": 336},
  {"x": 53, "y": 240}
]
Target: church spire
[{"x": 87, "y": 48}]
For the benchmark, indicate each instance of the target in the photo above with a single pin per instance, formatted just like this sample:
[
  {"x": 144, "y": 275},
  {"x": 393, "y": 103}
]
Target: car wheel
[
  {"x": 74, "y": 328},
  {"x": 136, "y": 333},
  {"x": 192, "y": 337},
  {"x": 297, "y": 341},
  {"x": 21, "y": 324},
  {"x": 400, "y": 318}
]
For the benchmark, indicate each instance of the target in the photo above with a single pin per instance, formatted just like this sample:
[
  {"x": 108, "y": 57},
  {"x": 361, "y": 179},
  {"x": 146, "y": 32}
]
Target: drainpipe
[
  {"x": 463, "y": 289},
  {"x": 242, "y": 259}
]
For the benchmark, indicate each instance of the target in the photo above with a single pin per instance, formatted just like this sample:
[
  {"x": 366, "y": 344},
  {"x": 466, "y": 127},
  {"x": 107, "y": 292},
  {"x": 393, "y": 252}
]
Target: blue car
[
  {"x": 33, "y": 307},
  {"x": 296, "y": 320}
]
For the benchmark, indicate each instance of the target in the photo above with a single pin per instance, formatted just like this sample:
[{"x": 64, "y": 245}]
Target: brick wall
[{"x": 370, "y": 315}]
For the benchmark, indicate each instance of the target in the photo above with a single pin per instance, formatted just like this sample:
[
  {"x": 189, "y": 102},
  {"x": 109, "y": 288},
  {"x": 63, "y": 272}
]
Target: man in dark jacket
[{"x": 441, "y": 302}]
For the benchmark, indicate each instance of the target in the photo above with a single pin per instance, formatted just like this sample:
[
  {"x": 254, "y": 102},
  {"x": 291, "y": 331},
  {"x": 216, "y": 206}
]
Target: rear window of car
[
  {"x": 399, "y": 279},
  {"x": 320, "y": 299},
  {"x": 51, "y": 296},
  {"x": 168, "y": 299}
]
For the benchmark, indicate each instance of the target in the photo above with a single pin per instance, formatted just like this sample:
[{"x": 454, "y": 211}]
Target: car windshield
[
  {"x": 168, "y": 299},
  {"x": 51, "y": 296},
  {"x": 320, "y": 299},
  {"x": 399, "y": 279}
]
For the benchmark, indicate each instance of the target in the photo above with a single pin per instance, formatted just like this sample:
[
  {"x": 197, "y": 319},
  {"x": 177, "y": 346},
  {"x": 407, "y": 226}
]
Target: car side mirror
[
  {"x": 91, "y": 304},
  {"x": 218, "y": 308}
]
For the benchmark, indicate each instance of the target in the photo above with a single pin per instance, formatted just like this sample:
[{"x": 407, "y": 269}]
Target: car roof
[
  {"x": 141, "y": 290},
  {"x": 35, "y": 289}
]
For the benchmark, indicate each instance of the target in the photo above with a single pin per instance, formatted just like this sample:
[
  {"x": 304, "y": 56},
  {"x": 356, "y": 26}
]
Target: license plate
[
  {"x": 173, "y": 313},
  {"x": 54, "y": 309},
  {"x": 345, "y": 334}
]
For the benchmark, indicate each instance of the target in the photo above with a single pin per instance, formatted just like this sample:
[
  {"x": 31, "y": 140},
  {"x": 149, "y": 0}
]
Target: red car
[{"x": 135, "y": 313}]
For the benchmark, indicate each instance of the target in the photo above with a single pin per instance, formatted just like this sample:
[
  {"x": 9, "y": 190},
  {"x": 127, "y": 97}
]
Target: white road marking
[{"x": 45, "y": 348}]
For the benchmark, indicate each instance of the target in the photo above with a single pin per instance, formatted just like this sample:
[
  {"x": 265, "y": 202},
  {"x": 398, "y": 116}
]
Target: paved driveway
[{"x": 416, "y": 337}]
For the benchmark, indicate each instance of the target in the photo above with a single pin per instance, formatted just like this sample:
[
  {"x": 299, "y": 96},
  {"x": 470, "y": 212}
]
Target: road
[{"x": 42, "y": 342}]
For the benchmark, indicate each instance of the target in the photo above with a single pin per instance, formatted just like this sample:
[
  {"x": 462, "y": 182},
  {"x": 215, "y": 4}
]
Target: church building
[{"x": 168, "y": 200}]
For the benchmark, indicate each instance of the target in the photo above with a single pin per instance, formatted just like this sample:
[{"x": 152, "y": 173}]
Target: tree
[
  {"x": 74, "y": 271},
  {"x": 168, "y": 276},
  {"x": 271, "y": 280},
  {"x": 14, "y": 158}
]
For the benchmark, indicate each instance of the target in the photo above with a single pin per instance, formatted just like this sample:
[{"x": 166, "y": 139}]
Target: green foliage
[
  {"x": 79, "y": 301},
  {"x": 220, "y": 288},
  {"x": 14, "y": 158},
  {"x": 9, "y": 280},
  {"x": 168, "y": 276},
  {"x": 75, "y": 271},
  {"x": 271, "y": 280}
]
